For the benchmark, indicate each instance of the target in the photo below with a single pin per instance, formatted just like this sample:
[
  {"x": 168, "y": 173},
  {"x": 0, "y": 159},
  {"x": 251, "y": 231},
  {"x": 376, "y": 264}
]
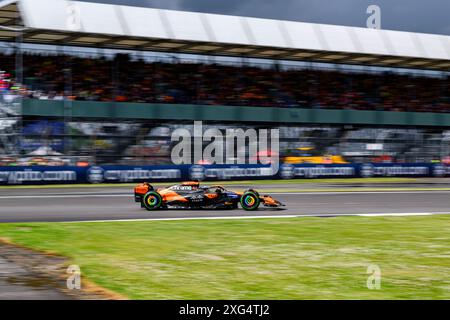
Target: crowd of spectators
[{"x": 123, "y": 79}]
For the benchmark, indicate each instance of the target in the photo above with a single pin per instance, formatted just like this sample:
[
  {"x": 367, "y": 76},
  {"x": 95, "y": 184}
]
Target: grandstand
[
  {"x": 123, "y": 27},
  {"x": 337, "y": 88}
]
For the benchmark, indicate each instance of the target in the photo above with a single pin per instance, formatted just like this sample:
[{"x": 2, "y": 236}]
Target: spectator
[{"x": 122, "y": 79}]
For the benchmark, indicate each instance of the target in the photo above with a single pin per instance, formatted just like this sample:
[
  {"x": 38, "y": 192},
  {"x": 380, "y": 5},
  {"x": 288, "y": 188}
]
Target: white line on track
[
  {"x": 272, "y": 193},
  {"x": 400, "y": 214},
  {"x": 272, "y": 217}
]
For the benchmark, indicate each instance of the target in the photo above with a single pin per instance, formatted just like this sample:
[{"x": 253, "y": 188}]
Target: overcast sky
[{"x": 429, "y": 16}]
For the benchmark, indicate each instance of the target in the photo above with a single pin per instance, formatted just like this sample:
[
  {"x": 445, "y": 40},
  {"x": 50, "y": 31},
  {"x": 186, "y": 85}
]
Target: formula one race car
[{"x": 190, "y": 195}]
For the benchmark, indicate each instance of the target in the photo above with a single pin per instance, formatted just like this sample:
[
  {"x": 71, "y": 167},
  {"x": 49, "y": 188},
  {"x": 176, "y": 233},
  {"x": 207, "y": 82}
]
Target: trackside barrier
[{"x": 36, "y": 175}]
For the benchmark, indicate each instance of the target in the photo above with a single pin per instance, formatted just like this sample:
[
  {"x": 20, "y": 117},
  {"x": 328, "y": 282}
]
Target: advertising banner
[
  {"x": 34, "y": 175},
  {"x": 41, "y": 175}
]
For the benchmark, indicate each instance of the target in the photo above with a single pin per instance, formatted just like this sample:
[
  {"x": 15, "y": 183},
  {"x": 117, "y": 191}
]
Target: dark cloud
[{"x": 429, "y": 16}]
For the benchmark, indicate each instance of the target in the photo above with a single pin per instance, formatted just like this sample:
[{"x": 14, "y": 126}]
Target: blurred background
[{"x": 163, "y": 79}]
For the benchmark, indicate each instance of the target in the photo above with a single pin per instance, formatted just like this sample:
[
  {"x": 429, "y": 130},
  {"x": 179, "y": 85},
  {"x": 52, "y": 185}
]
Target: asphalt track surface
[{"x": 116, "y": 203}]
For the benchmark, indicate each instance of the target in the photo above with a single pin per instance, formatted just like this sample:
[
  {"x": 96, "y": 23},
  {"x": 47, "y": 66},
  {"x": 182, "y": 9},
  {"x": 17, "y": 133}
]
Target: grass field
[{"x": 301, "y": 258}]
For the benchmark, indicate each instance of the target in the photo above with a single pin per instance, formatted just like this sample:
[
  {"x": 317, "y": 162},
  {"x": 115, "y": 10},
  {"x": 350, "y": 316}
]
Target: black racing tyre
[
  {"x": 152, "y": 201},
  {"x": 250, "y": 201},
  {"x": 252, "y": 191}
]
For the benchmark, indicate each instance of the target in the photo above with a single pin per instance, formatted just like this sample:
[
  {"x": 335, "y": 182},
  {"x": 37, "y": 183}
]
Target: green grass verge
[
  {"x": 301, "y": 258},
  {"x": 230, "y": 183}
]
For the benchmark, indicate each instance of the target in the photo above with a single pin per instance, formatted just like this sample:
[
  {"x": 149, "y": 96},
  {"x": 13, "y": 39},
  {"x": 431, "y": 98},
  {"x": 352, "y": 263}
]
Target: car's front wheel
[
  {"x": 152, "y": 201},
  {"x": 250, "y": 201}
]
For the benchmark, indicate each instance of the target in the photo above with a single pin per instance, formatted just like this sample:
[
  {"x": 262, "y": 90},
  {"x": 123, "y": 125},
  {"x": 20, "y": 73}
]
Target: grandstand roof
[{"x": 64, "y": 22}]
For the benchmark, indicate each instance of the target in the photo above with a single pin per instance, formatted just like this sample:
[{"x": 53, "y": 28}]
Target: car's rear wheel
[
  {"x": 250, "y": 201},
  {"x": 152, "y": 201}
]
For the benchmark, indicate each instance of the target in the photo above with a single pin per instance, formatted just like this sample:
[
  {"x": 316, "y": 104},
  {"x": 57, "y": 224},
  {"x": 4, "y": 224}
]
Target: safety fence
[{"x": 36, "y": 175}]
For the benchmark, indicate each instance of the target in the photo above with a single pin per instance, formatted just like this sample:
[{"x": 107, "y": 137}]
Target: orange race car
[{"x": 190, "y": 195}]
